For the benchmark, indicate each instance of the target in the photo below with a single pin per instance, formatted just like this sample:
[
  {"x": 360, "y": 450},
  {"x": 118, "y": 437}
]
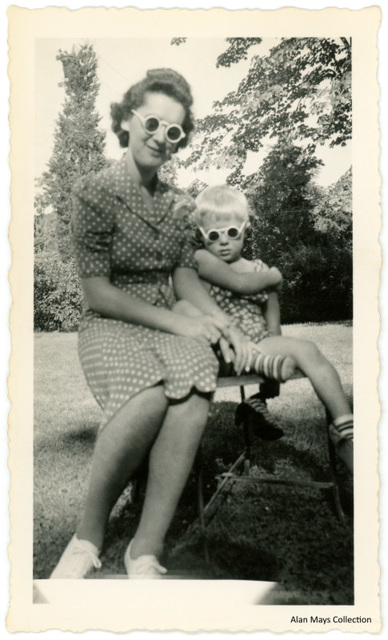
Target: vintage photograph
[{"x": 193, "y": 313}]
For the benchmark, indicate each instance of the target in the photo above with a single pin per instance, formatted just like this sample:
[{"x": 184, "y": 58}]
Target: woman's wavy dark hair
[{"x": 166, "y": 81}]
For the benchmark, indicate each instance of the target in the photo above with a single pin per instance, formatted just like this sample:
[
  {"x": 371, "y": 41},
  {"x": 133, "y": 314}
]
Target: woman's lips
[{"x": 155, "y": 150}]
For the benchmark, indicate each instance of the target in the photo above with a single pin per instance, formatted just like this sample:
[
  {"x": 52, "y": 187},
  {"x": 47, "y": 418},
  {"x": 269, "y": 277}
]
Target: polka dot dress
[
  {"x": 246, "y": 311},
  {"x": 115, "y": 235}
]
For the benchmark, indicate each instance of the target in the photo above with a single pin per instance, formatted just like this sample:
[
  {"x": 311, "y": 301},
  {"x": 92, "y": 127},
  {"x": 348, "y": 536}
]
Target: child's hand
[{"x": 242, "y": 350}]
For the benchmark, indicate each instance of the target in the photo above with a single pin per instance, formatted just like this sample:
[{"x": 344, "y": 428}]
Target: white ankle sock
[{"x": 344, "y": 424}]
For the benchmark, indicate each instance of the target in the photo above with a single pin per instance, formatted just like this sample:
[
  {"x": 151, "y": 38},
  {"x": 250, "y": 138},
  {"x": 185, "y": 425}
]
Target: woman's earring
[{"x": 125, "y": 125}]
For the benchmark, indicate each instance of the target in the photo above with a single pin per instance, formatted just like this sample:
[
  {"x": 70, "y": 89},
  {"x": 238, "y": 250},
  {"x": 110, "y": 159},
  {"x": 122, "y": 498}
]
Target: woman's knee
[{"x": 147, "y": 405}]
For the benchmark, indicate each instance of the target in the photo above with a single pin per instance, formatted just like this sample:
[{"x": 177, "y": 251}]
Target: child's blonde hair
[{"x": 220, "y": 202}]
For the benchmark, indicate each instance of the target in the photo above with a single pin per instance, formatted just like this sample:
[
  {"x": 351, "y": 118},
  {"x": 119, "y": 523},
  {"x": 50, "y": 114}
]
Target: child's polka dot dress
[
  {"x": 116, "y": 236},
  {"x": 246, "y": 311}
]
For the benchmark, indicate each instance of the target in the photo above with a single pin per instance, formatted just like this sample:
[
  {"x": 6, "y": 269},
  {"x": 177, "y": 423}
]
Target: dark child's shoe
[
  {"x": 263, "y": 424},
  {"x": 343, "y": 446}
]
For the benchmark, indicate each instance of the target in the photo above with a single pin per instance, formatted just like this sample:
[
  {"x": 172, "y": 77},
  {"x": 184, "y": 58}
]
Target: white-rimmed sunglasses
[
  {"x": 231, "y": 232},
  {"x": 151, "y": 124}
]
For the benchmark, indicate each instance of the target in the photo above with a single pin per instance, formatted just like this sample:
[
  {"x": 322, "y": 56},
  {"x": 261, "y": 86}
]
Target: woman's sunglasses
[
  {"x": 172, "y": 132},
  {"x": 231, "y": 232}
]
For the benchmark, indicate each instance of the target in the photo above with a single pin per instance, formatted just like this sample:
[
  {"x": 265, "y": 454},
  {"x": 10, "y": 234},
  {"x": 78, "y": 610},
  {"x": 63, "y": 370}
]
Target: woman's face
[{"x": 150, "y": 151}]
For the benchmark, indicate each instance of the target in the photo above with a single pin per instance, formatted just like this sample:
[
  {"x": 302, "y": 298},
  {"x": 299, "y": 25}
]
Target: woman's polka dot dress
[{"x": 116, "y": 236}]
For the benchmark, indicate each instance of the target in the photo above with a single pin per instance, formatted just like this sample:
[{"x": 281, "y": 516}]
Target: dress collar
[{"x": 129, "y": 192}]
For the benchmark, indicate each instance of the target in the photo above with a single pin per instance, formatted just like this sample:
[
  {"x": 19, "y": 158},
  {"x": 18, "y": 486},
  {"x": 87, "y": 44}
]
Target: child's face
[{"x": 225, "y": 247}]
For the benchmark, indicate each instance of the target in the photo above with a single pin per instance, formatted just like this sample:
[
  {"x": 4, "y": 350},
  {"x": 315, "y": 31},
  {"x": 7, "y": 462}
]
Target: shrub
[{"x": 58, "y": 295}]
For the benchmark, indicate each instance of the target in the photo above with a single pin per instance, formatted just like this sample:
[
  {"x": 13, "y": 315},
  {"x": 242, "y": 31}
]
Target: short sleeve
[
  {"x": 260, "y": 265},
  {"x": 92, "y": 225}
]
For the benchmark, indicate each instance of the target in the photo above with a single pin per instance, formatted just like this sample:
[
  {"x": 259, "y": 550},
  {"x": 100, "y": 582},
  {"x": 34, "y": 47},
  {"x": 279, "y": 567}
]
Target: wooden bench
[{"x": 244, "y": 461}]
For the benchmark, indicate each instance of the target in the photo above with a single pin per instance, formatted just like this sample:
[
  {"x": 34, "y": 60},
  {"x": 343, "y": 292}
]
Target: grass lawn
[{"x": 281, "y": 534}]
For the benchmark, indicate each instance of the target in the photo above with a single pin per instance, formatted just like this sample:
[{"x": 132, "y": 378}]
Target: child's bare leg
[
  {"x": 315, "y": 366},
  {"x": 327, "y": 385}
]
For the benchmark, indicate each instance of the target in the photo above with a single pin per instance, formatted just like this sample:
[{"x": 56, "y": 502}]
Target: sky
[{"x": 123, "y": 61}]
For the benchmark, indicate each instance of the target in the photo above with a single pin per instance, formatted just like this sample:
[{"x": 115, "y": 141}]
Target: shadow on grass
[
  {"x": 285, "y": 534},
  {"x": 228, "y": 560},
  {"x": 259, "y": 532},
  {"x": 84, "y": 435},
  {"x": 80, "y": 439}
]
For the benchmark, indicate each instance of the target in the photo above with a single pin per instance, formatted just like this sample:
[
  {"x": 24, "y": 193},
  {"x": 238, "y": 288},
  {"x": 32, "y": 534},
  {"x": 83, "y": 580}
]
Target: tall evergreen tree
[
  {"x": 79, "y": 144},
  {"x": 306, "y": 231},
  {"x": 279, "y": 198}
]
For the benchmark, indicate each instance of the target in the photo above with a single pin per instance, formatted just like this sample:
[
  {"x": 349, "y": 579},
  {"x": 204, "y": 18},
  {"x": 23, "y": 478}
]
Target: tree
[
  {"x": 168, "y": 172},
  {"x": 196, "y": 187},
  {"x": 293, "y": 98},
  {"x": 79, "y": 144},
  {"x": 299, "y": 92},
  {"x": 278, "y": 196},
  {"x": 333, "y": 223},
  {"x": 282, "y": 227},
  {"x": 44, "y": 232},
  {"x": 306, "y": 231}
]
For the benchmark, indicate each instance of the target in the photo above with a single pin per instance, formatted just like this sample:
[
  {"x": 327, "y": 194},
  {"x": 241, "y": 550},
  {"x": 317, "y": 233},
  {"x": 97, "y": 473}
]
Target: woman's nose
[{"x": 160, "y": 135}]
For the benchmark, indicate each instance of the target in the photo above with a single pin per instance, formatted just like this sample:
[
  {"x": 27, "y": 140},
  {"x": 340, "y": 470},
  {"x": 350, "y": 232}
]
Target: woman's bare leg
[
  {"x": 120, "y": 448},
  {"x": 316, "y": 367},
  {"x": 170, "y": 462}
]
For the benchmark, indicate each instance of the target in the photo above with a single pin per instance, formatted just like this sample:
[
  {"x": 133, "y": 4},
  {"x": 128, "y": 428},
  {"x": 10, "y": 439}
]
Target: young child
[{"x": 246, "y": 291}]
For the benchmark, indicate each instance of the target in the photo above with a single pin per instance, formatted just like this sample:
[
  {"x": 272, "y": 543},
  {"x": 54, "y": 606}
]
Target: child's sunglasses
[
  {"x": 172, "y": 132},
  {"x": 232, "y": 232}
]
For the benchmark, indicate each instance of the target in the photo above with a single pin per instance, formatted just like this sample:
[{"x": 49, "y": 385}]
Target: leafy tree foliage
[
  {"x": 299, "y": 91},
  {"x": 44, "y": 232},
  {"x": 333, "y": 223},
  {"x": 294, "y": 97},
  {"x": 168, "y": 172},
  {"x": 58, "y": 296},
  {"x": 79, "y": 144},
  {"x": 178, "y": 41},
  {"x": 196, "y": 187},
  {"x": 306, "y": 231},
  {"x": 238, "y": 50},
  {"x": 279, "y": 199}
]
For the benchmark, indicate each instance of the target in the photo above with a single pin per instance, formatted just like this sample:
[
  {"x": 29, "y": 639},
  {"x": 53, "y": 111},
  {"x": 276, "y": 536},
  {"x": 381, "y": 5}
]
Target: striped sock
[
  {"x": 269, "y": 366},
  {"x": 344, "y": 426}
]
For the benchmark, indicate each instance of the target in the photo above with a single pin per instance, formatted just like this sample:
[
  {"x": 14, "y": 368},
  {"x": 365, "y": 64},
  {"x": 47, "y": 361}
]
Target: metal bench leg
[
  {"x": 247, "y": 439},
  {"x": 333, "y": 472},
  {"x": 200, "y": 500}
]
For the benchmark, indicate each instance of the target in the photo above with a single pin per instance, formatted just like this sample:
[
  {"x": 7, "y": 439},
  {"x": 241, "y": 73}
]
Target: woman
[{"x": 151, "y": 370}]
